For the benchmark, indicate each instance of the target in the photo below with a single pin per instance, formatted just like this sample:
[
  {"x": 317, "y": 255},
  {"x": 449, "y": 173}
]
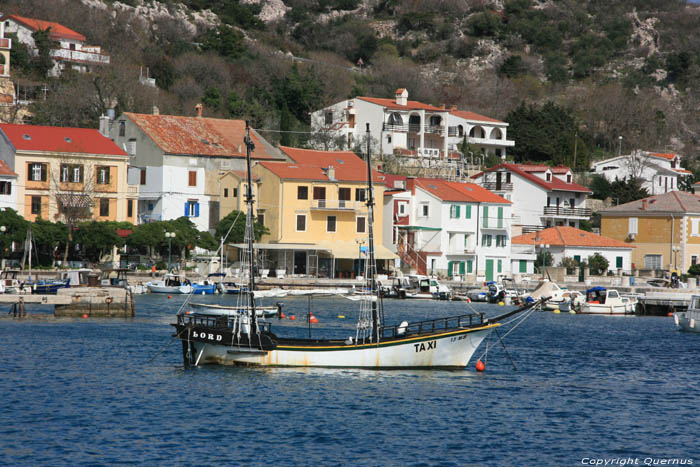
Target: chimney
[
  {"x": 644, "y": 205},
  {"x": 331, "y": 173},
  {"x": 453, "y": 108},
  {"x": 198, "y": 109},
  {"x": 401, "y": 97},
  {"x": 104, "y": 126},
  {"x": 442, "y": 106},
  {"x": 156, "y": 110}
]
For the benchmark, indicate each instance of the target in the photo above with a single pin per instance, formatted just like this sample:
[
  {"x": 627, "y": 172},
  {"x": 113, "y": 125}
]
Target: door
[
  {"x": 498, "y": 181},
  {"x": 489, "y": 269},
  {"x": 343, "y": 196},
  {"x": 299, "y": 262}
]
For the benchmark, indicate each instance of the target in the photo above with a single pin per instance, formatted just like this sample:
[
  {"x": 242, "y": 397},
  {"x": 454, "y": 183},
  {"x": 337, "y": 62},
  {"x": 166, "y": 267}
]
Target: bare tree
[
  {"x": 73, "y": 189},
  {"x": 636, "y": 163}
]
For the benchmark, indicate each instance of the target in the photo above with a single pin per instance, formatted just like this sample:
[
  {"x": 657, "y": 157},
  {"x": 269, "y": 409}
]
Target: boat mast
[
  {"x": 371, "y": 270},
  {"x": 251, "y": 231}
]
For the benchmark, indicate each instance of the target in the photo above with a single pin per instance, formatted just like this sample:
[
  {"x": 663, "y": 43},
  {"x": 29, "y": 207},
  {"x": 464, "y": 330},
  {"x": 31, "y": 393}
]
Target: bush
[
  {"x": 694, "y": 270},
  {"x": 597, "y": 264},
  {"x": 569, "y": 263}
]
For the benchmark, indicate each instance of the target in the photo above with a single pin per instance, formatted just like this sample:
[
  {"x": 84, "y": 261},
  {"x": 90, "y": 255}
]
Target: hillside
[{"x": 610, "y": 69}]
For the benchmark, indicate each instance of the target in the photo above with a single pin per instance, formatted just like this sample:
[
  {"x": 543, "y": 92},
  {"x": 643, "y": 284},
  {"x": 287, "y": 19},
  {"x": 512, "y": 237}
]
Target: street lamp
[
  {"x": 619, "y": 145},
  {"x": 675, "y": 249},
  {"x": 169, "y": 236},
  {"x": 543, "y": 251},
  {"x": 3, "y": 229}
]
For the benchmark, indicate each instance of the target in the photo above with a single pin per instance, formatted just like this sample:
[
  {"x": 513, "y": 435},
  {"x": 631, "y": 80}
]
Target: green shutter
[
  {"x": 500, "y": 217},
  {"x": 500, "y": 265},
  {"x": 449, "y": 269},
  {"x": 485, "y": 216},
  {"x": 469, "y": 266},
  {"x": 618, "y": 262},
  {"x": 577, "y": 258},
  {"x": 523, "y": 265},
  {"x": 461, "y": 268},
  {"x": 457, "y": 213},
  {"x": 468, "y": 212}
]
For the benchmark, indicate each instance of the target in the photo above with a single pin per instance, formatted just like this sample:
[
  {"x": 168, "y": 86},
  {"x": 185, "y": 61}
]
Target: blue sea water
[{"x": 112, "y": 391}]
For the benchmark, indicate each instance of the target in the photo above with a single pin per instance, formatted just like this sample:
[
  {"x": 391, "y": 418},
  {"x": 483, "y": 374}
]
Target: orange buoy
[
  {"x": 670, "y": 315},
  {"x": 170, "y": 296},
  {"x": 292, "y": 317},
  {"x": 313, "y": 319},
  {"x": 480, "y": 366},
  {"x": 85, "y": 315},
  {"x": 282, "y": 315},
  {"x": 469, "y": 300}
]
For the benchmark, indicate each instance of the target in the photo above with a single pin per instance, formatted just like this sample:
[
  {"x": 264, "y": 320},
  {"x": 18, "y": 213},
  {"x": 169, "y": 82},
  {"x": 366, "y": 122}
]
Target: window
[
  {"x": 192, "y": 178},
  {"x": 235, "y": 192},
  {"x": 301, "y": 223},
  {"x": 122, "y": 128},
  {"x": 485, "y": 217},
  {"x": 548, "y": 176},
  {"x": 468, "y": 212},
  {"x": 568, "y": 178},
  {"x": 131, "y": 146},
  {"x": 618, "y": 262},
  {"x": 104, "y": 207},
  {"x": 425, "y": 210},
  {"x": 130, "y": 208},
  {"x": 694, "y": 260},
  {"x": 261, "y": 218},
  {"x": 143, "y": 177},
  {"x": 403, "y": 209},
  {"x": 319, "y": 192},
  {"x": 507, "y": 177},
  {"x": 361, "y": 224},
  {"x": 633, "y": 225},
  {"x": 360, "y": 194},
  {"x": 500, "y": 217},
  {"x": 103, "y": 175},
  {"x": 71, "y": 173},
  {"x": 500, "y": 266},
  {"x": 523, "y": 266},
  {"x": 343, "y": 196},
  {"x": 652, "y": 261},
  {"x": 302, "y": 192},
  {"x": 225, "y": 192},
  {"x": 36, "y": 172},
  {"x": 469, "y": 266},
  {"x": 36, "y": 205},
  {"x": 454, "y": 211},
  {"x": 5, "y": 188},
  {"x": 329, "y": 118},
  {"x": 466, "y": 241},
  {"x": 192, "y": 208},
  {"x": 330, "y": 224}
]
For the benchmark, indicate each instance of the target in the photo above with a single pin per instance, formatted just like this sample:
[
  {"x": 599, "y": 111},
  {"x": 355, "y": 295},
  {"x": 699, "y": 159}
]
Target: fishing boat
[
  {"x": 9, "y": 281},
  {"x": 689, "y": 320},
  {"x": 602, "y": 301},
  {"x": 171, "y": 284},
  {"x": 204, "y": 287},
  {"x": 47, "y": 286},
  {"x": 235, "y": 338}
]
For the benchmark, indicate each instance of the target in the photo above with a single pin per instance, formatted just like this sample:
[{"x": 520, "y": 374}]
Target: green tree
[
  {"x": 597, "y": 264},
  {"x": 623, "y": 191},
  {"x": 147, "y": 238},
  {"x": 15, "y": 231},
  {"x": 512, "y": 66},
  {"x": 49, "y": 238},
  {"x": 600, "y": 187},
  {"x": 237, "y": 234},
  {"x": 543, "y": 257},
  {"x": 97, "y": 239},
  {"x": 569, "y": 263},
  {"x": 299, "y": 91},
  {"x": 42, "y": 62},
  {"x": 225, "y": 41}
]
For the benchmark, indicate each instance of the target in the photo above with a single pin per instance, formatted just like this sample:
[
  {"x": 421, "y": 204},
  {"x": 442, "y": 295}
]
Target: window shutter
[
  {"x": 449, "y": 269},
  {"x": 196, "y": 210},
  {"x": 633, "y": 225},
  {"x": 469, "y": 266},
  {"x": 461, "y": 267},
  {"x": 29, "y": 171},
  {"x": 457, "y": 213},
  {"x": 618, "y": 262},
  {"x": 500, "y": 217},
  {"x": 485, "y": 216},
  {"x": 43, "y": 172},
  {"x": 187, "y": 209},
  {"x": 107, "y": 175},
  {"x": 500, "y": 265},
  {"x": 468, "y": 213},
  {"x": 523, "y": 265}
]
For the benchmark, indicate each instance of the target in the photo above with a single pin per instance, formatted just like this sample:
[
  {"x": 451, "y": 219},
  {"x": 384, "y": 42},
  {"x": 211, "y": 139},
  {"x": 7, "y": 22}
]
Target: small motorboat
[
  {"x": 47, "y": 286},
  {"x": 9, "y": 281},
  {"x": 602, "y": 301},
  {"x": 689, "y": 320},
  {"x": 171, "y": 284},
  {"x": 204, "y": 287}
]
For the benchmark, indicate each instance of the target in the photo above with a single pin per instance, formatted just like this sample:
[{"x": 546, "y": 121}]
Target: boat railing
[
  {"x": 216, "y": 321},
  {"x": 431, "y": 326}
]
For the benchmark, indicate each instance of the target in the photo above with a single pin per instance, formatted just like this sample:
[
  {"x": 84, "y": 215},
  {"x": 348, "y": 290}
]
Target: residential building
[
  {"x": 410, "y": 128},
  {"x": 59, "y": 168},
  {"x": 542, "y": 196},
  {"x": 8, "y": 187},
  {"x": 71, "y": 50},
  {"x": 569, "y": 242},
  {"x": 232, "y": 190},
  {"x": 177, "y": 161},
  {"x": 457, "y": 229},
  {"x": 659, "y": 172},
  {"x": 315, "y": 209},
  {"x": 664, "y": 228}
]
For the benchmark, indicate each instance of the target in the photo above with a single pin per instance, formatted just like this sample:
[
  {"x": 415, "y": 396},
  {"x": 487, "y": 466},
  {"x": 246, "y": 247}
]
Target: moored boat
[
  {"x": 689, "y": 320},
  {"x": 171, "y": 284},
  {"x": 602, "y": 301},
  {"x": 244, "y": 339}
]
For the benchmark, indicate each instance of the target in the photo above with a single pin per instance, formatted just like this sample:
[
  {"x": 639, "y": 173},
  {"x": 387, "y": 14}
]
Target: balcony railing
[
  {"x": 495, "y": 186},
  {"x": 531, "y": 228},
  {"x": 562, "y": 211},
  {"x": 80, "y": 56},
  {"x": 414, "y": 128},
  {"x": 336, "y": 205}
]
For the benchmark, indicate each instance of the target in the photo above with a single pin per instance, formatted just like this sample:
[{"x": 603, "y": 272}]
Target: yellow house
[
  {"x": 60, "y": 168},
  {"x": 315, "y": 209},
  {"x": 232, "y": 188},
  {"x": 664, "y": 228}
]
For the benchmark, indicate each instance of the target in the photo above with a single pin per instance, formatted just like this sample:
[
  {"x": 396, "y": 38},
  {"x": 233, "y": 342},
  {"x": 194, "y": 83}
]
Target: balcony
[
  {"x": 495, "y": 186},
  {"x": 561, "y": 211},
  {"x": 490, "y": 142},
  {"x": 132, "y": 190},
  {"x": 80, "y": 56},
  {"x": 336, "y": 205},
  {"x": 414, "y": 128}
]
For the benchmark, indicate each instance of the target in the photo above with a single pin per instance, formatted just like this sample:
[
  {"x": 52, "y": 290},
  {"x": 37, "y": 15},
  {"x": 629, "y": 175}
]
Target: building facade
[
  {"x": 61, "y": 168},
  {"x": 178, "y": 162},
  {"x": 8, "y": 187},
  {"x": 542, "y": 196},
  {"x": 71, "y": 49},
  {"x": 665, "y": 229}
]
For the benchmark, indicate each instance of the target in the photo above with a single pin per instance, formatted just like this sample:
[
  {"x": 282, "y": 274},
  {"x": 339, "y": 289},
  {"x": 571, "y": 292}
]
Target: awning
[
  {"x": 279, "y": 246},
  {"x": 351, "y": 250},
  {"x": 416, "y": 227}
]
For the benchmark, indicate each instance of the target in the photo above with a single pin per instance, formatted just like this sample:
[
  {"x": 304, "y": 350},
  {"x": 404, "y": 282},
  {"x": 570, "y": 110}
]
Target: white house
[
  {"x": 660, "y": 172},
  {"x": 71, "y": 51},
  {"x": 457, "y": 229},
  {"x": 8, "y": 187},
  {"x": 542, "y": 196},
  {"x": 410, "y": 128},
  {"x": 178, "y": 162},
  {"x": 577, "y": 244}
]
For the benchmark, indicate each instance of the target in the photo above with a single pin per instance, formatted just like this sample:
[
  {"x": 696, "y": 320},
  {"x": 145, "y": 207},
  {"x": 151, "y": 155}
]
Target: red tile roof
[
  {"x": 526, "y": 171},
  {"x": 568, "y": 236},
  {"x": 5, "y": 170},
  {"x": 456, "y": 191},
  {"x": 410, "y": 105},
  {"x": 58, "y": 31},
  {"x": 668, "y": 156},
  {"x": 60, "y": 139},
  {"x": 312, "y": 165},
  {"x": 200, "y": 136},
  {"x": 243, "y": 175},
  {"x": 473, "y": 116}
]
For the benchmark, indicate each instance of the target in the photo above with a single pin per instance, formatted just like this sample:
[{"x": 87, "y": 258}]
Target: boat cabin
[
  {"x": 114, "y": 278},
  {"x": 601, "y": 295}
]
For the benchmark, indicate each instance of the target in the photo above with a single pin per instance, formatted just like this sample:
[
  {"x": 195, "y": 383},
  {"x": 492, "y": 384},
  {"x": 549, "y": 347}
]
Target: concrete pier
[{"x": 96, "y": 301}]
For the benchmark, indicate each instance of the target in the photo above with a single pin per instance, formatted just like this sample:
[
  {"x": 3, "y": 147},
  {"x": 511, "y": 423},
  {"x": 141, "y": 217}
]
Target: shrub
[
  {"x": 569, "y": 263},
  {"x": 597, "y": 264},
  {"x": 694, "y": 270}
]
